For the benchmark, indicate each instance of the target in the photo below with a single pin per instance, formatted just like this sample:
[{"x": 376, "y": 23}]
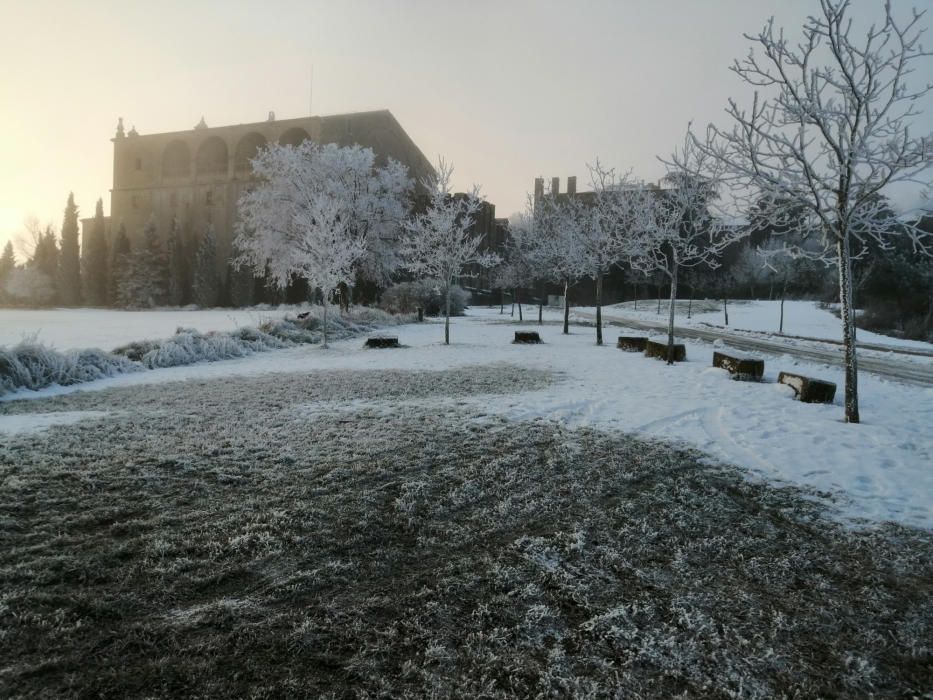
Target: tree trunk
[
  {"x": 848, "y": 327},
  {"x": 599, "y": 309},
  {"x": 541, "y": 305},
  {"x": 518, "y": 300},
  {"x": 324, "y": 324},
  {"x": 447, "y": 318},
  {"x": 659, "y": 299},
  {"x": 636, "y": 296},
  {"x": 783, "y": 294},
  {"x": 690, "y": 303},
  {"x": 501, "y": 301},
  {"x": 670, "y": 316},
  {"x": 725, "y": 305},
  {"x": 566, "y": 307}
]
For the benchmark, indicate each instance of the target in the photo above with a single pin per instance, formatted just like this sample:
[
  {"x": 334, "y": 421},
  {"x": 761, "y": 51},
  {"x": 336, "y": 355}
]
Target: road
[{"x": 817, "y": 350}]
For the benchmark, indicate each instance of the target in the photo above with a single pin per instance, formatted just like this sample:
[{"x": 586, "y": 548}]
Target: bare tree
[
  {"x": 440, "y": 243},
  {"x": 832, "y": 130},
  {"x": 682, "y": 232},
  {"x": 607, "y": 227},
  {"x": 561, "y": 245}
]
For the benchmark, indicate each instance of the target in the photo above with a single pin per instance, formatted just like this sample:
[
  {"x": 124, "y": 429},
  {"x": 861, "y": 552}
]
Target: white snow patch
[
  {"x": 67, "y": 329},
  {"x": 877, "y": 470}
]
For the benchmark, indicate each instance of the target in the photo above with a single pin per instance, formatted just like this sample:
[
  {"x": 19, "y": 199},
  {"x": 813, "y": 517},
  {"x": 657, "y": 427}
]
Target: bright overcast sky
[{"x": 506, "y": 90}]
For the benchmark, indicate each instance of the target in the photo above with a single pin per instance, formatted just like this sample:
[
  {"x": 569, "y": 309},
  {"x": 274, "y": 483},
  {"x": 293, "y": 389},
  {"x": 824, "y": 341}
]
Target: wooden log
[
  {"x": 659, "y": 350},
  {"x": 382, "y": 341},
  {"x": 740, "y": 367},
  {"x": 632, "y": 343},
  {"x": 808, "y": 389},
  {"x": 525, "y": 337}
]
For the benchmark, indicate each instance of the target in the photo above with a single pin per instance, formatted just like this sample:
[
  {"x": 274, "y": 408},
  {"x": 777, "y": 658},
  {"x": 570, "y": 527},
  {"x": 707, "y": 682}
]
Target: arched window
[
  {"x": 212, "y": 157},
  {"x": 294, "y": 137},
  {"x": 246, "y": 150},
  {"x": 176, "y": 160}
]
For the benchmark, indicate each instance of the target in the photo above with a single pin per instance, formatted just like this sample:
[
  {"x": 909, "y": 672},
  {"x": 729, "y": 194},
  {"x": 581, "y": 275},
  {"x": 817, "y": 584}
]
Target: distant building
[{"x": 198, "y": 175}]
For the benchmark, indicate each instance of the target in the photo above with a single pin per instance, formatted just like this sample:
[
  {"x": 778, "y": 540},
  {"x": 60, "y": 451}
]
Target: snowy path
[
  {"x": 878, "y": 470},
  {"x": 908, "y": 370}
]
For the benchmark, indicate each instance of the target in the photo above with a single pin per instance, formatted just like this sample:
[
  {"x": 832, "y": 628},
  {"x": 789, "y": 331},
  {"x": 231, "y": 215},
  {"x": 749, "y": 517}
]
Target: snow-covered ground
[
  {"x": 801, "y": 318},
  {"x": 878, "y": 470},
  {"x": 67, "y": 329}
]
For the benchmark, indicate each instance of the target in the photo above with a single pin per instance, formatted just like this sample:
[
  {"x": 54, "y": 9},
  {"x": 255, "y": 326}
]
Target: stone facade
[{"x": 198, "y": 175}]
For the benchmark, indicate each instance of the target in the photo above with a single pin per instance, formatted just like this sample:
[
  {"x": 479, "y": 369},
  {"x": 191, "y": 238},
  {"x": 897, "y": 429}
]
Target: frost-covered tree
[
  {"x": 681, "y": 231},
  {"x": 178, "y": 262},
  {"x": 7, "y": 265},
  {"x": 69, "y": 272},
  {"x": 44, "y": 259},
  {"x": 120, "y": 268},
  {"x": 145, "y": 282},
  {"x": 324, "y": 213},
  {"x": 608, "y": 226},
  {"x": 829, "y": 128},
  {"x": 96, "y": 270},
  {"x": 440, "y": 243},
  {"x": 519, "y": 267},
  {"x": 205, "y": 284},
  {"x": 313, "y": 215},
  {"x": 560, "y": 244},
  {"x": 30, "y": 285}
]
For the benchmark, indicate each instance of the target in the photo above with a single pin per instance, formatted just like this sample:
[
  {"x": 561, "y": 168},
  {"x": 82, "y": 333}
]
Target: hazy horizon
[{"x": 505, "y": 91}]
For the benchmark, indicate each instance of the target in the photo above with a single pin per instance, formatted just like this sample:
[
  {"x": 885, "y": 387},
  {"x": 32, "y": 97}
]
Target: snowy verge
[{"x": 32, "y": 366}]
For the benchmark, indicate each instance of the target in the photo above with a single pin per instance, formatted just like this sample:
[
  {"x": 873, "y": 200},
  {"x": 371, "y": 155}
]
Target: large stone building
[{"x": 197, "y": 175}]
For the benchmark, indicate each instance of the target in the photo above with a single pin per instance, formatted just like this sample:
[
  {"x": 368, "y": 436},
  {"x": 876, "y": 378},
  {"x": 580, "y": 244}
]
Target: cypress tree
[
  {"x": 96, "y": 270},
  {"x": 120, "y": 269},
  {"x": 69, "y": 288},
  {"x": 7, "y": 263},
  {"x": 45, "y": 261},
  {"x": 178, "y": 293},
  {"x": 205, "y": 286},
  {"x": 148, "y": 274}
]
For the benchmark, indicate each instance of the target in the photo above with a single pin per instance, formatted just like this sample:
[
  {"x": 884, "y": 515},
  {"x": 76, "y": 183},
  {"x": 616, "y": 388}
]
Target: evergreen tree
[
  {"x": 45, "y": 261},
  {"x": 96, "y": 271},
  {"x": 178, "y": 288},
  {"x": 7, "y": 264},
  {"x": 69, "y": 287},
  {"x": 206, "y": 286},
  {"x": 120, "y": 269},
  {"x": 146, "y": 282},
  {"x": 240, "y": 284}
]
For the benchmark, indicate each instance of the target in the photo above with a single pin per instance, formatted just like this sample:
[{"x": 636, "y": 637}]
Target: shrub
[
  {"x": 33, "y": 366},
  {"x": 406, "y": 297}
]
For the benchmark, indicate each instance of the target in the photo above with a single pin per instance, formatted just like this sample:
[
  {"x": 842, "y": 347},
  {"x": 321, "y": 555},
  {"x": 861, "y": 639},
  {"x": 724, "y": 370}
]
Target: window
[
  {"x": 139, "y": 163},
  {"x": 209, "y": 198}
]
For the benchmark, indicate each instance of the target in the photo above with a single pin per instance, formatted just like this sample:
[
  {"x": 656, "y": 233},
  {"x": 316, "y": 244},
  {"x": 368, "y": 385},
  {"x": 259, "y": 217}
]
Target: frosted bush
[
  {"x": 34, "y": 366},
  {"x": 30, "y": 365},
  {"x": 406, "y": 297}
]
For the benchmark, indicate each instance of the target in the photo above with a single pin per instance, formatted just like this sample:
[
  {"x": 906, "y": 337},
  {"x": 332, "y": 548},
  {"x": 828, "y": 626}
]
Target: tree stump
[
  {"x": 632, "y": 343},
  {"x": 382, "y": 341},
  {"x": 740, "y": 367},
  {"x": 807, "y": 389},
  {"x": 527, "y": 337},
  {"x": 659, "y": 350}
]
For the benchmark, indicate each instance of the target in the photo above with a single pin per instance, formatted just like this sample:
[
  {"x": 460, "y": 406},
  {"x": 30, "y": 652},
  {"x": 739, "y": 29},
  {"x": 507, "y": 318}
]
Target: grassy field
[{"x": 357, "y": 534}]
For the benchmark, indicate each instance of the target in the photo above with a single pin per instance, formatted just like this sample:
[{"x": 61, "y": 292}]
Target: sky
[{"x": 506, "y": 90}]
